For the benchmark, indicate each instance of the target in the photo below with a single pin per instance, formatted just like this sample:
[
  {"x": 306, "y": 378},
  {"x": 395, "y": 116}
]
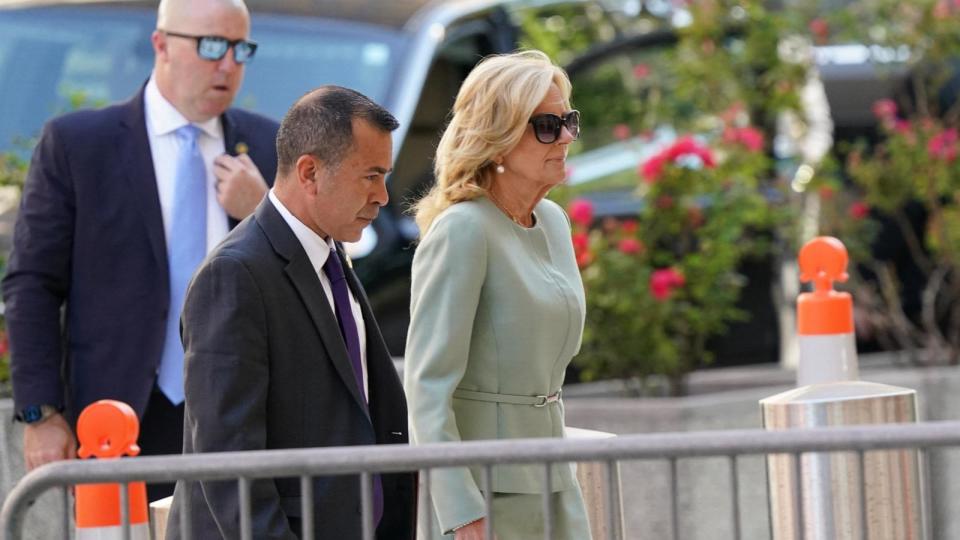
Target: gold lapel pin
[{"x": 241, "y": 148}]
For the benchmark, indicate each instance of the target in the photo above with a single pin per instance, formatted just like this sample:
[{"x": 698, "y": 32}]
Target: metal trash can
[{"x": 837, "y": 497}]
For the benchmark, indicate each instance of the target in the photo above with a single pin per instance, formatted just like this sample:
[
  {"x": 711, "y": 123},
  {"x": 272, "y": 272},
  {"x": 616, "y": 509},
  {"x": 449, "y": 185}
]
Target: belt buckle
[{"x": 544, "y": 400}]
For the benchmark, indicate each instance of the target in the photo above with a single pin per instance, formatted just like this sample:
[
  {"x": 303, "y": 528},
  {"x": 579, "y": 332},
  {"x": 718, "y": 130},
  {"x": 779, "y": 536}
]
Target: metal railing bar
[
  {"x": 548, "y": 501},
  {"x": 862, "y": 466},
  {"x": 613, "y": 501},
  {"x": 66, "y": 511},
  {"x": 306, "y": 507},
  {"x": 333, "y": 461},
  {"x": 366, "y": 504},
  {"x": 125, "y": 511},
  {"x": 923, "y": 454},
  {"x": 246, "y": 522},
  {"x": 488, "y": 501},
  {"x": 426, "y": 505},
  {"x": 798, "y": 487},
  {"x": 674, "y": 511},
  {"x": 343, "y": 460},
  {"x": 186, "y": 515},
  {"x": 735, "y": 496}
]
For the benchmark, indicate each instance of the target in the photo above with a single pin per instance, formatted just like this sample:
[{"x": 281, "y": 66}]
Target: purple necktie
[{"x": 348, "y": 328}]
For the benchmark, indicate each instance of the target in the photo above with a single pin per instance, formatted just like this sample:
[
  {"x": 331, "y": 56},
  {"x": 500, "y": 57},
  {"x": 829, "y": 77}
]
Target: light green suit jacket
[{"x": 497, "y": 313}]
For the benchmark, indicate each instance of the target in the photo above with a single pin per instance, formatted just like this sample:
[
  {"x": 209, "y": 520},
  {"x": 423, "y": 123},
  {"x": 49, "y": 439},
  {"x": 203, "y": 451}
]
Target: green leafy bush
[
  {"x": 660, "y": 285},
  {"x": 904, "y": 180}
]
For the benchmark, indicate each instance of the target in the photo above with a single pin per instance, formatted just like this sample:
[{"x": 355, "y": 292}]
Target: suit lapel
[
  {"x": 138, "y": 166},
  {"x": 307, "y": 284}
]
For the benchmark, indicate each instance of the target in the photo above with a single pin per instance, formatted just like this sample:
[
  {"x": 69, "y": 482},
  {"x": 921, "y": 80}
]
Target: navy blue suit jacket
[{"x": 87, "y": 285}]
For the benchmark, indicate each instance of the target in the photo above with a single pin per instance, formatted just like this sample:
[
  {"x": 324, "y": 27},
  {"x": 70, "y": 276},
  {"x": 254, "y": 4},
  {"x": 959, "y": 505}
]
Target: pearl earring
[{"x": 500, "y": 169}]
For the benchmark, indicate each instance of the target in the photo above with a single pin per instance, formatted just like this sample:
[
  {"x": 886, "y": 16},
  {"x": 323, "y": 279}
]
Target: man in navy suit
[{"x": 119, "y": 207}]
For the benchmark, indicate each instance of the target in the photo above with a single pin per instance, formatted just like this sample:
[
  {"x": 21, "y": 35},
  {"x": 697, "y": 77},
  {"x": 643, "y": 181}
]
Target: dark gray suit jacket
[{"x": 266, "y": 367}]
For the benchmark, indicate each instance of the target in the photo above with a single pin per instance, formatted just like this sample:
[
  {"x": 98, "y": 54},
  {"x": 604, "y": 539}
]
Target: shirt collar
[
  {"x": 163, "y": 118},
  {"x": 317, "y": 248}
]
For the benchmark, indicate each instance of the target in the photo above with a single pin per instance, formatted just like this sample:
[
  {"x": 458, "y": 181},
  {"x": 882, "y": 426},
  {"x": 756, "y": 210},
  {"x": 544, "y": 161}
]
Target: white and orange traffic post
[
  {"x": 826, "y": 339},
  {"x": 839, "y": 495}
]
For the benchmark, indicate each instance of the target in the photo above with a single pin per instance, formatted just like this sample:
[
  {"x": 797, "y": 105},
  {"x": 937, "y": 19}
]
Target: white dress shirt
[
  {"x": 163, "y": 120},
  {"x": 318, "y": 249}
]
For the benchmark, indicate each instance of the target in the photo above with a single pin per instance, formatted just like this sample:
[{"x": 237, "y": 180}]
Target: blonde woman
[{"x": 497, "y": 304}]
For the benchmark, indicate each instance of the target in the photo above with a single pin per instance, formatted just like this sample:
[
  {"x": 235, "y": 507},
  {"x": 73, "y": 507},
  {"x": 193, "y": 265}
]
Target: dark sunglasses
[
  {"x": 215, "y": 47},
  {"x": 547, "y": 127}
]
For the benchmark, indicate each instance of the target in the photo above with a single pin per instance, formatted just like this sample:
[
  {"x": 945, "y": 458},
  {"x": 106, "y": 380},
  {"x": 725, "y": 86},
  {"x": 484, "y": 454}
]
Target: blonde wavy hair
[{"x": 490, "y": 115}]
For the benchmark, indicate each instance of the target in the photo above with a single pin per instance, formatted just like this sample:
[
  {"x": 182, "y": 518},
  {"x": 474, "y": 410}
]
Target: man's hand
[
  {"x": 240, "y": 186},
  {"x": 47, "y": 441},
  {"x": 473, "y": 531}
]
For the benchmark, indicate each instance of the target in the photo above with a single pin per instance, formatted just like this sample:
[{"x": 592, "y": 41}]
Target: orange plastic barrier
[{"x": 109, "y": 429}]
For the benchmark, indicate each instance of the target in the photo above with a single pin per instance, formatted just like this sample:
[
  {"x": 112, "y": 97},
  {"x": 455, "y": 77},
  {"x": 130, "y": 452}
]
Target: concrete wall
[{"x": 705, "y": 506}]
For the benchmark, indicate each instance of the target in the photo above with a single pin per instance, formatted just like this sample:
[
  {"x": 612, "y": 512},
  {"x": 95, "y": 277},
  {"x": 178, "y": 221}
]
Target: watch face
[{"x": 31, "y": 414}]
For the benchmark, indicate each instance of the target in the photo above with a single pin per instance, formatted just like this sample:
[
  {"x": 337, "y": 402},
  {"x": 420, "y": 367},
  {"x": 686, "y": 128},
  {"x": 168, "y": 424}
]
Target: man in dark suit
[
  {"x": 282, "y": 350},
  {"x": 119, "y": 208}
]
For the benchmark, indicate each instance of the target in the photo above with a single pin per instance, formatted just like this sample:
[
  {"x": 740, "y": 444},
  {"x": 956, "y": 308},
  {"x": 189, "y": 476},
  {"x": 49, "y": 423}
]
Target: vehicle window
[
  {"x": 617, "y": 97},
  {"x": 295, "y": 57},
  {"x": 48, "y": 56},
  {"x": 413, "y": 171}
]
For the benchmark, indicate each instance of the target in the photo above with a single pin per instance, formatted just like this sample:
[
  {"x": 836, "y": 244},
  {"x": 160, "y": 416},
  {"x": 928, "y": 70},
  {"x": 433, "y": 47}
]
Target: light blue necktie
[{"x": 186, "y": 248}]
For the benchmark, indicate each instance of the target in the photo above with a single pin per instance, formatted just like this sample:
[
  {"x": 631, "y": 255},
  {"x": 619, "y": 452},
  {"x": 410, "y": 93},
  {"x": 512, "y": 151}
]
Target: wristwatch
[{"x": 34, "y": 414}]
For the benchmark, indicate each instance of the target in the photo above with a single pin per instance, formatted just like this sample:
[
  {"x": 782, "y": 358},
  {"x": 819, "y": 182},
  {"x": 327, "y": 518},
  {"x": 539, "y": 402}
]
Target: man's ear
[
  {"x": 309, "y": 171},
  {"x": 159, "y": 41}
]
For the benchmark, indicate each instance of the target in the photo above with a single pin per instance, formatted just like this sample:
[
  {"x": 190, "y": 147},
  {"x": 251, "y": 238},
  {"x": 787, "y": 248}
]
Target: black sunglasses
[
  {"x": 547, "y": 127},
  {"x": 215, "y": 47}
]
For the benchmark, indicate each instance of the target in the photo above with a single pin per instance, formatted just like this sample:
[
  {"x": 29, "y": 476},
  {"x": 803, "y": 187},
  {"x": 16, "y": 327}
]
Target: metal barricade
[{"x": 308, "y": 463}]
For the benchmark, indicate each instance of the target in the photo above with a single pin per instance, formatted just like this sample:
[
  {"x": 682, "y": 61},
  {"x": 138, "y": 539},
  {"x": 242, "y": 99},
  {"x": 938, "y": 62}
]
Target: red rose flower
[
  {"x": 651, "y": 169},
  {"x": 641, "y": 71},
  {"x": 943, "y": 145},
  {"x": 629, "y": 246},
  {"x": 859, "y": 210},
  {"x": 581, "y": 212},
  {"x": 621, "y": 132},
  {"x": 885, "y": 109},
  {"x": 749, "y": 137},
  {"x": 581, "y": 242},
  {"x": 584, "y": 259},
  {"x": 820, "y": 30},
  {"x": 664, "y": 281}
]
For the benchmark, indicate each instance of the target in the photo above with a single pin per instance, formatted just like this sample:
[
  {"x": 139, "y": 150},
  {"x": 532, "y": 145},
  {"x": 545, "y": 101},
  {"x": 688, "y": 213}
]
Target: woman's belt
[{"x": 536, "y": 401}]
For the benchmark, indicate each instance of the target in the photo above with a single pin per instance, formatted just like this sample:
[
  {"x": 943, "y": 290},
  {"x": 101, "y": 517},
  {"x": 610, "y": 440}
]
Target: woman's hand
[{"x": 473, "y": 531}]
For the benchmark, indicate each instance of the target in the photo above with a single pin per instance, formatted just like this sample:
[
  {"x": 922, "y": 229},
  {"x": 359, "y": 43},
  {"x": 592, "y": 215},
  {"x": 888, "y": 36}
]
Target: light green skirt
[{"x": 519, "y": 516}]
